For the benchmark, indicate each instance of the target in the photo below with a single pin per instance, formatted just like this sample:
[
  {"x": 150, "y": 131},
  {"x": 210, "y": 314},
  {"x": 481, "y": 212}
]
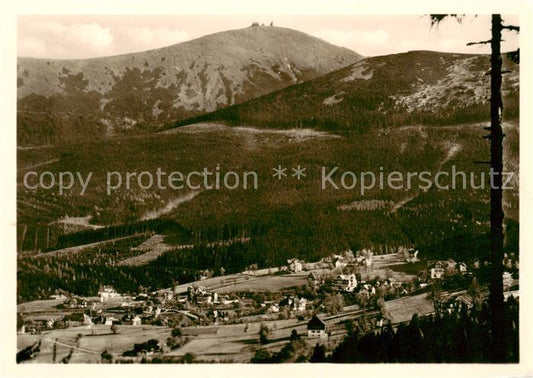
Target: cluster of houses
[
  {"x": 78, "y": 303},
  {"x": 291, "y": 302},
  {"x": 347, "y": 258},
  {"x": 334, "y": 261},
  {"x": 342, "y": 282},
  {"x": 76, "y": 311},
  {"x": 199, "y": 305},
  {"x": 441, "y": 269}
]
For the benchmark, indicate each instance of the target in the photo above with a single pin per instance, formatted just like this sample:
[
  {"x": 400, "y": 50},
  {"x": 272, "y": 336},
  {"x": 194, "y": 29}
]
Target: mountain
[
  {"x": 70, "y": 100},
  {"x": 417, "y": 87}
]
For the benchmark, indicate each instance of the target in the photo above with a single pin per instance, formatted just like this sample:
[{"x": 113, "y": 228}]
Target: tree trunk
[{"x": 496, "y": 206}]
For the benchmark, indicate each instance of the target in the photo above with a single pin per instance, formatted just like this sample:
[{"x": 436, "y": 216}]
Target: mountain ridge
[
  {"x": 417, "y": 87},
  {"x": 59, "y": 100}
]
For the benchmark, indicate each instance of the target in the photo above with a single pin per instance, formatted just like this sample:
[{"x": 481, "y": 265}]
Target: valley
[{"x": 255, "y": 195}]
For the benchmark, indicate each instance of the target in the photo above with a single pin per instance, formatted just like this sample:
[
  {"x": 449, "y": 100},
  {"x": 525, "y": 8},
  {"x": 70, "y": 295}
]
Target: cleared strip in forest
[
  {"x": 155, "y": 247},
  {"x": 80, "y": 248},
  {"x": 47, "y": 162}
]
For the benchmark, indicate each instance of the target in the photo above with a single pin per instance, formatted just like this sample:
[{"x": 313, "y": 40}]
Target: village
[{"x": 229, "y": 318}]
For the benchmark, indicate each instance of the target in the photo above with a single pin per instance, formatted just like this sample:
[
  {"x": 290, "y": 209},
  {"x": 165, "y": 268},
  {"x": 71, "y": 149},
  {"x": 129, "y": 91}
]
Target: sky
[{"x": 83, "y": 36}]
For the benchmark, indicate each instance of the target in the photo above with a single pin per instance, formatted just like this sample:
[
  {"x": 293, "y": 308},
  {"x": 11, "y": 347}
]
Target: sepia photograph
[{"x": 268, "y": 188}]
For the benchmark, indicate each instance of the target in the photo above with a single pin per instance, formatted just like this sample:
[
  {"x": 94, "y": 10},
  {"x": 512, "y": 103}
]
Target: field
[
  {"x": 269, "y": 283},
  {"x": 89, "y": 347},
  {"x": 235, "y": 342},
  {"x": 242, "y": 282},
  {"x": 403, "y": 309},
  {"x": 152, "y": 248}
]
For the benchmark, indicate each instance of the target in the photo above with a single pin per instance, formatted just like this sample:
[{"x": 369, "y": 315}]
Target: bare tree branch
[{"x": 511, "y": 27}]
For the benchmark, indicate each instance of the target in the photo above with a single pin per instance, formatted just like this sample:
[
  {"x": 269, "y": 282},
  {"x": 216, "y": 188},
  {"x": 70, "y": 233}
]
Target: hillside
[
  {"x": 418, "y": 87},
  {"x": 284, "y": 218},
  {"x": 71, "y": 100}
]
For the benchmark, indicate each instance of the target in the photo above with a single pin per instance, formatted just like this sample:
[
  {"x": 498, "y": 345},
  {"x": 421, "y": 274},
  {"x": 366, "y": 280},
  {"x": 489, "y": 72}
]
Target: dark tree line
[
  {"x": 459, "y": 337},
  {"x": 117, "y": 231}
]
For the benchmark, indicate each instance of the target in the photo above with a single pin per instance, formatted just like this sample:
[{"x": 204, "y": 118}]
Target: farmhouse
[
  {"x": 130, "y": 319},
  {"x": 462, "y": 300},
  {"x": 77, "y": 303},
  {"x": 316, "y": 328}
]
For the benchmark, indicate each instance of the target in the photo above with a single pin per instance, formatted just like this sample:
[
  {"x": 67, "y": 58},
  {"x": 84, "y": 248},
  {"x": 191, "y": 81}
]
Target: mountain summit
[{"x": 67, "y": 100}]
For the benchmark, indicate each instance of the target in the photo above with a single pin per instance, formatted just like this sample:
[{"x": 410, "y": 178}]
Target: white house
[
  {"x": 58, "y": 296},
  {"x": 295, "y": 265},
  {"x": 346, "y": 282},
  {"x": 136, "y": 321},
  {"x": 107, "y": 292},
  {"x": 339, "y": 262},
  {"x": 507, "y": 280},
  {"x": 109, "y": 320},
  {"x": 300, "y": 304},
  {"x": 274, "y": 309}
]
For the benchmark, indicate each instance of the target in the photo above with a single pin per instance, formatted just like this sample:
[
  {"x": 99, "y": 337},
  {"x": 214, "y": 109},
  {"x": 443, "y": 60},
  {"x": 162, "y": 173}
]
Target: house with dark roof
[
  {"x": 316, "y": 327},
  {"x": 293, "y": 303}
]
